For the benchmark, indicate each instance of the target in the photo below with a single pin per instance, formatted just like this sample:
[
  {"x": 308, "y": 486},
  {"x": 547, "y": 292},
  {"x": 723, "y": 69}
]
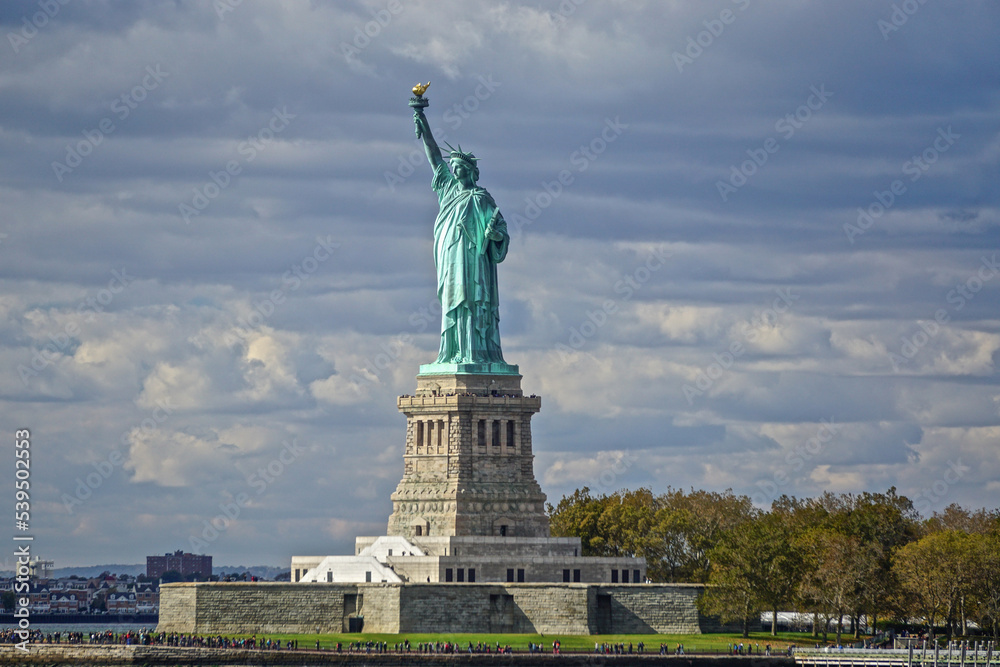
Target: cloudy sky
[{"x": 755, "y": 247}]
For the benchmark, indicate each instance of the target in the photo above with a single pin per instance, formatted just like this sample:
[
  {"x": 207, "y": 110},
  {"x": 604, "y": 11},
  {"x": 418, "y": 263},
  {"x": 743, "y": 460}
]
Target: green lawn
[{"x": 710, "y": 643}]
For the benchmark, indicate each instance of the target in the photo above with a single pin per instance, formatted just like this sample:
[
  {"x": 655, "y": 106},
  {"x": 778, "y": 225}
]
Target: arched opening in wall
[
  {"x": 420, "y": 527},
  {"x": 504, "y": 527}
]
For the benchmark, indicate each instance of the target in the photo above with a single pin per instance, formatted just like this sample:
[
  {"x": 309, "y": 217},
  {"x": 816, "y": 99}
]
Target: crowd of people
[
  {"x": 14, "y": 636},
  {"x": 37, "y": 636},
  {"x": 450, "y": 647},
  {"x": 145, "y": 637},
  {"x": 749, "y": 649},
  {"x": 622, "y": 648}
]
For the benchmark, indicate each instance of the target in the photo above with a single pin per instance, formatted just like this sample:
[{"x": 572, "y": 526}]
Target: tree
[
  {"x": 171, "y": 576},
  {"x": 671, "y": 527},
  {"x": 577, "y": 516},
  {"x": 626, "y": 523},
  {"x": 985, "y": 592},
  {"x": 705, "y": 517},
  {"x": 978, "y": 525},
  {"x": 880, "y": 522},
  {"x": 779, "y": 579},
  {"x": 839, "y": 568},
  {"x": 956, "y": 517},
  {"x": 674, "y": 531},
  {"x": 886, "y": 519},
  {"x": 729, "y": 596},
  {"x": 622, "y": 524},
  {"x": 859, "y": 555},
  {"x": 935, "y": 572},
  {"x": 755, "y": 566}
]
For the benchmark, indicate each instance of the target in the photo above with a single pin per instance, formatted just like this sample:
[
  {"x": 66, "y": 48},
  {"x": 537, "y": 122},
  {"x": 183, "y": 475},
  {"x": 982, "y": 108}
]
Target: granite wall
[{"x": 242, "y": 607}]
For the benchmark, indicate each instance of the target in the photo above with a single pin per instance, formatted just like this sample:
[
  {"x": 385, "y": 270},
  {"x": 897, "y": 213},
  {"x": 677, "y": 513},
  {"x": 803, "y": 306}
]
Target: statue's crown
[{"x": 459, "y": 154}]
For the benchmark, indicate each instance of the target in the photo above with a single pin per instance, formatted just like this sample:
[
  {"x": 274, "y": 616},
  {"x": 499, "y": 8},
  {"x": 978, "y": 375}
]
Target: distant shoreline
[
  {"x": 77, "y": 654},
  {"x": 9, "y": 620}
]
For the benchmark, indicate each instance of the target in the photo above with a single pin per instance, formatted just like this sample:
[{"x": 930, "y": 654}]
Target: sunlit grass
[{"x": 707, "y": 643}]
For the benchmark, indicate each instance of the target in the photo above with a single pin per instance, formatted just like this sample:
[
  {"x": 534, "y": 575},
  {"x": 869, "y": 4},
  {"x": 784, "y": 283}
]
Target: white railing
[{"x": 955, "y": 654}]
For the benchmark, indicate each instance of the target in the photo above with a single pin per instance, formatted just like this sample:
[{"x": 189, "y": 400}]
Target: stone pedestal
[
  {"x": 468, "y": 463},
  {"x": 468, "y": 509}
]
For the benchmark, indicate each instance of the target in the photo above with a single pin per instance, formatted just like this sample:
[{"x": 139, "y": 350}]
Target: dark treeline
[{"x": 838, "y": 557}]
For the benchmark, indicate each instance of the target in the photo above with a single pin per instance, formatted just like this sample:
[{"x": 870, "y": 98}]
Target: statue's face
[{"x": 463, "y": 172}]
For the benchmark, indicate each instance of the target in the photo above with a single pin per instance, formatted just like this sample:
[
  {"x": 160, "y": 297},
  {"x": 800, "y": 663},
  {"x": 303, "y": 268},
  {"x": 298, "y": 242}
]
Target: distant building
[
  {"x": 122, "y": 603},
  {"x": 68, "y": 602},
  {"x": 147, "y": 598},
  {"x": 180, "y": 562},
  {"x": 38, "y": 596},
  {"x": 74, "y": 595},
  {"x": 139, "y": 599},
  {"x": 40, "y": 569}
]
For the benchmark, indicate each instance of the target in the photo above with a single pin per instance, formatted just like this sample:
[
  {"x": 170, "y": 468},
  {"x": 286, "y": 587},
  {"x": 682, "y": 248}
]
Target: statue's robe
[{"x": 466, "y": 263}]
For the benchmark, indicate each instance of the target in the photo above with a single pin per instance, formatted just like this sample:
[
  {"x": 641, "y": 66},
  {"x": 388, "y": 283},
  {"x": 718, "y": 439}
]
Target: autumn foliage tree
[
  {"x": 673, "y": 531},
  {"x": 840, "y": 556},
  {"x": 759, "y": 558}
]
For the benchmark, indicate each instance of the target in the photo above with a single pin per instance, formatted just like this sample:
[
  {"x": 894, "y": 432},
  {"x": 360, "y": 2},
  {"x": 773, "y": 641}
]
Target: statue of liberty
[{"x": 470, "y": 239}]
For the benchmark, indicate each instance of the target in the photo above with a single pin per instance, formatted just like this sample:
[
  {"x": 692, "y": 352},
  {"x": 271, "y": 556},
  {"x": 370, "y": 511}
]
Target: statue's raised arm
[
  {"x": 423, "y": 128},
  {"x": 424, "y": 132}
]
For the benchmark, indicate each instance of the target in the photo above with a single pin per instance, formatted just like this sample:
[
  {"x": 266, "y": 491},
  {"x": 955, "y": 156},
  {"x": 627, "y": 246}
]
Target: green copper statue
[{"x": 470, "y": 239}]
